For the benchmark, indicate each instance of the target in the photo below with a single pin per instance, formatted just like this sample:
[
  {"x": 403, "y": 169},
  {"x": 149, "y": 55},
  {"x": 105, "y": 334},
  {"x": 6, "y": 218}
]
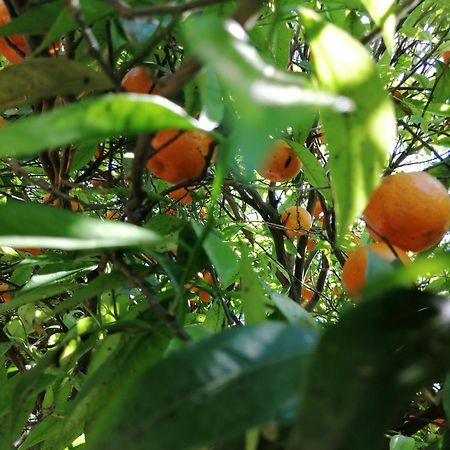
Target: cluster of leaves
[{"x": 104, "y": 343}]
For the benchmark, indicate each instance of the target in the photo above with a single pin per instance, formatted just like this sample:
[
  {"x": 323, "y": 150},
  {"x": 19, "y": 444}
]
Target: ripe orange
[
  {"x": 354, "y": 270},
  {"x": 179, "y": 156},
  {"x": 138, "y": 80},
  {"x": 203, "y": 295},
  {"x": 33, "y": 251},
  {"x": 112, "y": 215},
  {"x": 411, "y": 210},
  {"x": 307, "y": 294},
  {"x": 74, "y": 205},
  {"x": 17, "y": 40},
  {"x": 181, "y": 195},
  {"x": 47, "y": 197},
  {"x": 446, "y": 57},
  {"x": 5, "y": 297},
  {"x": 318, "y": 211},
  {"x": 281, "y": 164},
  {"x": 296, "y": 220}
]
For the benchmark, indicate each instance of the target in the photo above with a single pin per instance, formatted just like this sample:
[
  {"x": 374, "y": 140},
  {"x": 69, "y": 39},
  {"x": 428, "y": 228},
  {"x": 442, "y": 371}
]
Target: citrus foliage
[{"x": 184, "y": 257}]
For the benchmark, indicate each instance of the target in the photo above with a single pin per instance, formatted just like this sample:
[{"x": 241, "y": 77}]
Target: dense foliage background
[{"x": 132, "y": 320}]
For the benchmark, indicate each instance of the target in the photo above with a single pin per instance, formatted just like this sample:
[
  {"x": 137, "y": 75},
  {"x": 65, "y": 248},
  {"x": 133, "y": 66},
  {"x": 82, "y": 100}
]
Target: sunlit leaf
[
  {"x": 358, "y": 141},
  {"x": 34, "y": 225},
  {"x": 93, "y": 119}
]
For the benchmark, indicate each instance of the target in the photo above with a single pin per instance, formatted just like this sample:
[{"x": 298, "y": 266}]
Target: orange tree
[{"x": 152, "y": 294}]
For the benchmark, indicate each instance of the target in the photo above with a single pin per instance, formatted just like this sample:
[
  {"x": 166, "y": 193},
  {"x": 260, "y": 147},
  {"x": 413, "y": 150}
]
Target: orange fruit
[
  {"x": 138, "y": 80},
  {"x": 410, "y": 210},
  {"x": 296, "y": 220},
  {"x": 281, "y": 164},
  {"x": 9, "y": 52},
  {"x": 33, "y": 251},
  {"x": 318, "y": 210},
  {"x": 5, "y": 297},
  {"x": 307, "y": 294},
  {"x": 446, "y": 57},
  {"x": 181, "y": 195},
  {"x": 47, "y": 197},
  {"x": 354, "y": 270},
  {"x": 179, "y": 156},
  {"x": 74, "y": 205},
  {"x": 112, "y": 215}
]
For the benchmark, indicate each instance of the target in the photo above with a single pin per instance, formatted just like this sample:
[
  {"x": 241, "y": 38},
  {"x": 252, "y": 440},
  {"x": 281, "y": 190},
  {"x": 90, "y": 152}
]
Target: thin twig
[{"x": 153, "y": 302}]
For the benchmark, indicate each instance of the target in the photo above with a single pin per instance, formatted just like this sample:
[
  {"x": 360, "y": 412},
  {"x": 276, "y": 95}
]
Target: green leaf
[
  {"x": 252, "y": 293},
  {"x": 95, "y": 287},
  {"x": 382, "y": 13},
  {"x": 36, "y": 20},
  {"x": 37, "y": 225},
  {"x": 193, "y": 409},
  {"x": 358, "y": 141},
  {"x": 92, "y": 119},
  {"x": 371, "y": 364},
  {"x": 121, "y": 368},
  {"x": 220, "y": 254},
  {"x": 39, "y": 78},
  {"x": 265, "y": 99},
  {"x": 399, "y": 442},
  {"x": 41, "y": 287},
  {"x": 314, "y": 171},
  {"x": 91, "y": 11},
  {"x": 292, "y": 311}
]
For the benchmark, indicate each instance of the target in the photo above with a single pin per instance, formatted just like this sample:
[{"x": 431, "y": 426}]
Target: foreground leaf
[
  {"x": 38, "y": 78},
  {"x": 35, "y": 225},
  {"x": 358, "y": 140},
  {"x": 185, "y": 401},
  {"x": 370, "y": 365},
  {"x": 266, "y": 100},
  {"x": 90, "y": 120}
]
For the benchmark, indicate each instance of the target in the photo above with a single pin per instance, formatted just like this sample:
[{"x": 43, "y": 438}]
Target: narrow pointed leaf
[
  {"x": 93, "y": 119},
  {"x": 358, "y": 141},
  {"x": 35, "y": 225}
]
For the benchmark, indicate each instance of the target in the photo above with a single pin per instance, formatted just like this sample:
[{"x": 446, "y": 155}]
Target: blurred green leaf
[
  {"x": 314, "y": 171},
  {"x": 252, "y": 293},
  {"x": 358, "y": 141},
  {"x": 37, "y": 225},
  {"x": 91, "y": 11},
  {"x": 125, "y": 363},
  {"x": 39, "y": 78},
  {"x": 265, "y": 99},
  {"x": 220, "y": 254},
  {"x": 92, "y": 119},
  {"x": 36, "y": 20},
  {"x": 265, "y": 362},
  {"x": 382, "y": 13},
  {"x": 408, "y": 335},
  {"x": 292, "y": 311},
  {"x": 400, "y": 442}
]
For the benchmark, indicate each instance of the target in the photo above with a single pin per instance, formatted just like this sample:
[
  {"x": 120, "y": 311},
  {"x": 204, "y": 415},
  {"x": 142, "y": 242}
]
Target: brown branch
[
  {"x": 91, "y": 40},
  {"x": 142, "y": 151}
]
